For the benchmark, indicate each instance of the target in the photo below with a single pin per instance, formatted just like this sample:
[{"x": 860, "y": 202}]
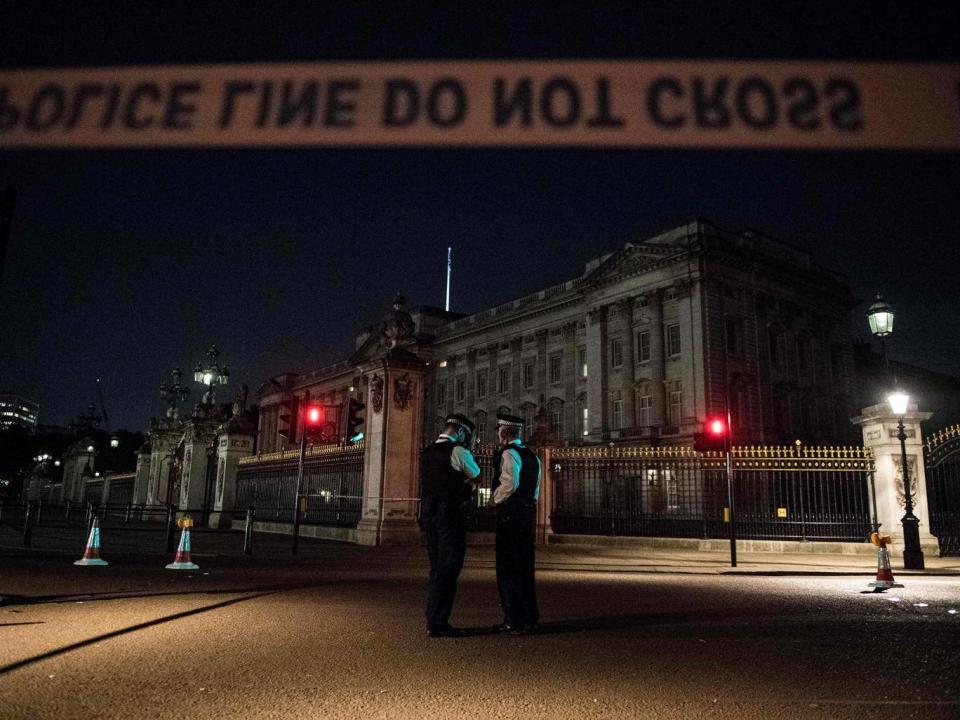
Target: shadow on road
[{"x": 4, "y": 669}]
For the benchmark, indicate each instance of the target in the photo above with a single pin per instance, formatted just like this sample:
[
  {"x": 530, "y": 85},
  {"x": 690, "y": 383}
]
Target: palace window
[
  {"x": 585, "y": 421},
  {"x": 645, "y": 411},
  {"x": 616, "y": 411},
  {"x": 582, "y": 354},
  {"x": 527, "y": 375},
  {"x": 643, "y": 346},
  {"x": 674, "y": 346},
  {"x": 556, "y": 423},
  {"x": 460, "y": 388},
  {"x": 442, "y": 392},
  {"x": 616, "y": 352},
  {"x": 556, "y": 368},
  {"x": 503, "y": 379},
  {"x": 675, "y": 407},
  {"x": 481, "y": 384}
]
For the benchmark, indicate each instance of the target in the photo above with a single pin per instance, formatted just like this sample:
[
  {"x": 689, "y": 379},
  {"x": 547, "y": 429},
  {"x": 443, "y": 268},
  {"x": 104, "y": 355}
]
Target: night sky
[{"x": 124, "y": 264}]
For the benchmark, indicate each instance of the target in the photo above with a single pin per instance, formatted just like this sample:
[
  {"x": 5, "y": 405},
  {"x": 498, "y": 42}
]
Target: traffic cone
[
  {"x": 182, "y": 559},
  {"x": 884, "y": 579},
  {"x": 91, "y": 556}
]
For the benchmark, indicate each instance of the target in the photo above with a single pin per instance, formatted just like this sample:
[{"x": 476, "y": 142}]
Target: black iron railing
[
  {"x": 332, "y": 485},
  {"x": 792, "y": 493}
]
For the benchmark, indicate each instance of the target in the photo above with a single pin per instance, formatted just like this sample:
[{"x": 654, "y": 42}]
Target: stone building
[{"x": 643, "y": 346}]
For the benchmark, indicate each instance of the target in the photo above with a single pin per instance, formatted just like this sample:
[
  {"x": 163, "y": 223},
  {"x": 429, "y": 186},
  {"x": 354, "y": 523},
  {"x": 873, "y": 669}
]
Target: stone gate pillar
[
  {"x": 880, "y": 435},
  {"x": 198, "y": 435},
  {"x": 235, "y": 441},
  {"x": 391, "y": 456}
]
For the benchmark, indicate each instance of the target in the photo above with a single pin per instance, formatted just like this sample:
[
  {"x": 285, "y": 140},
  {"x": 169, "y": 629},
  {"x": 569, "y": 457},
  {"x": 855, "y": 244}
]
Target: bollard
[
  {"x": 170, "y": 529},
  {"x": 28, "y": 526},
  {"x": 67, "y": 513},
  {"x": 248, "y": 533},
  {"x": 39, "y": 511},
  {"x": 89, "y": 514},
  {"x": 126, "y": 513}
]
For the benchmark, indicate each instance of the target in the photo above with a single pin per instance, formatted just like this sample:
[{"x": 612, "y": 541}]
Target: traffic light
[
  {"x": 354, "y": 421},
  {"x": 321, "y": 422},
  {"x": 313, "y": 417},
  {"x": 288, "y": 418},
  {"x": 714, "y": 437}
]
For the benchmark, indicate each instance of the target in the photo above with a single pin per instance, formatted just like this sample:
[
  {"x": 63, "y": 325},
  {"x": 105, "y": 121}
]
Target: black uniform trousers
[
  {"x": 446, "y": 528},
  {"x": 516, "y": 529}
]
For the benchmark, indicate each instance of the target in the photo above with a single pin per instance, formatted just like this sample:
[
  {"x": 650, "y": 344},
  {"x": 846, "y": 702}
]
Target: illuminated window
[
  {"x": 586, "y": 421},
  {"x": 583, "y": 361}
]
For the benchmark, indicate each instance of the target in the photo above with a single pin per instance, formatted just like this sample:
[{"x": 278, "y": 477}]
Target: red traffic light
[
  {"x": 314, "y": 415},
  {"x": 716, "y": 426}
]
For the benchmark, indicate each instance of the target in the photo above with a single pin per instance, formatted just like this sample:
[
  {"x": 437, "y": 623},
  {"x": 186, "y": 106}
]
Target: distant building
[
  {"x": 642, "y": 347},
  {"x": 17, "y": 410}
]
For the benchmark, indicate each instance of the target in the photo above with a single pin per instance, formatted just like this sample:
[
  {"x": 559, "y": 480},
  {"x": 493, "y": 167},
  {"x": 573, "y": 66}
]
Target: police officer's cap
[
  {"x": 461, "y": 421},
  {"x": 509, "y": 421}
]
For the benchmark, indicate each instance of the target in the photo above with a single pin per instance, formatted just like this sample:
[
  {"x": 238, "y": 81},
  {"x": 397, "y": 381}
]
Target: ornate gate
[{"x": 942, "y": 461}]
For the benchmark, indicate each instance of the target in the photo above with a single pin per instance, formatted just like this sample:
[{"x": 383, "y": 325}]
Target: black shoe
[
  {"x": 444, "y": 631},
  {"x": 508, "y": 629}
]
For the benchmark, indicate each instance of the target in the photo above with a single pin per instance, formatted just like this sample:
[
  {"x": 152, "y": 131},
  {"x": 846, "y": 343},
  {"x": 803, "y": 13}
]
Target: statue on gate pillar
[{"x": 392, "y": 430}]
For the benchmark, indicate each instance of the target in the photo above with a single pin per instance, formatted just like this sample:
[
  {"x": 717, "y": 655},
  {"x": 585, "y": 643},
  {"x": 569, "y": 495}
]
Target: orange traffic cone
[
  {"x": 182, "y": 559},
  {"x": 884, "y": 571},
  {"x": 91, "y": 556}
]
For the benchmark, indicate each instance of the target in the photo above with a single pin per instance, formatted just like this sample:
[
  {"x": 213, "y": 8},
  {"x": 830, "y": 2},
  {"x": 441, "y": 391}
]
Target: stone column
[
  {"x": 235, "y": 441},
  {"x": 141, "y": 481},
  {"x": 571, "y": 374},
  {"x": 880, "y": 435},
  {"x": 597, "y": 404},
  {"x": 658, "y": 353},
  {"x": 629, "y": 371},
  {"x": 391, "y": 455}
]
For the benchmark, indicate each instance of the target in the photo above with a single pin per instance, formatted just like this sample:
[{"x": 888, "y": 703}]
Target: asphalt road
[{"x": 339, "y": 633}]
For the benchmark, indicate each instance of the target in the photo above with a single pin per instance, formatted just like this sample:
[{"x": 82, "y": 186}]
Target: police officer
[
  {"x": 447, "y": 473},
  {"x": 515, "y": 493}
]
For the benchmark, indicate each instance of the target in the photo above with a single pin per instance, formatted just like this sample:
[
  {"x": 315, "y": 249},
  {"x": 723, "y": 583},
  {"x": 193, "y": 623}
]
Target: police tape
[{"x": 684, "y": 103}]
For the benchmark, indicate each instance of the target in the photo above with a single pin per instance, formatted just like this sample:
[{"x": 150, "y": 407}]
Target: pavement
[
  {"x": 135, "y": 542},
  {"x": 337, "y": 632}
]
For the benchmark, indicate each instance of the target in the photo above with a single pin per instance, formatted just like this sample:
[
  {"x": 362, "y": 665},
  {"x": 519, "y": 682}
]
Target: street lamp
[
  {"x": 212, "y": 374},
  {"x": 174, "y": 393},
  {"x": 912, "y": 554},
  {"x": 880, "y": 318}
]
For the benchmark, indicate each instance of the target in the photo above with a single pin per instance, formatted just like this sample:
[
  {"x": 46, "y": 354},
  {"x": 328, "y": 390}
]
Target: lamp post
[
  {"x": 880, "y": 319},
  {"x": 912, "y": 554},
  {"x": 212, "y": 374}
]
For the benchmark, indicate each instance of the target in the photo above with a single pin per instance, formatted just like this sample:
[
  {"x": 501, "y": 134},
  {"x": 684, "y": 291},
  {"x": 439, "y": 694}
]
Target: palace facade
[{"x": 642, "y": 347}]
